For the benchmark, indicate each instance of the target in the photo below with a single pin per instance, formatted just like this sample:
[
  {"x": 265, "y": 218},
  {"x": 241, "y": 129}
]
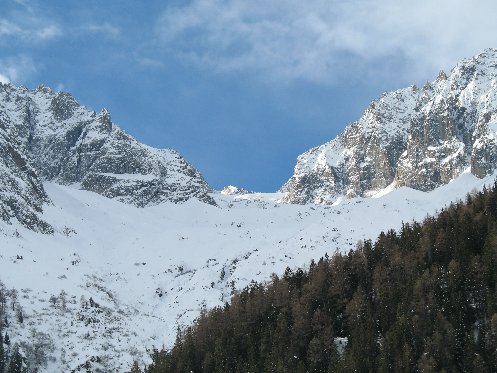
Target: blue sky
[{"x": 239, "y": 87}]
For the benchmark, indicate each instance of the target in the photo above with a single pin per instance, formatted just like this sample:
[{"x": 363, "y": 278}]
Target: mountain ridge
[
  {"x": 416, "y": 137},
  {"x": 49, "y": 136}
]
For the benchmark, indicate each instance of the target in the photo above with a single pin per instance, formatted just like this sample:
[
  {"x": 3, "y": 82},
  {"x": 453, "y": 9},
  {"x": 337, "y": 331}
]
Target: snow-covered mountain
[
  {"x": 48, "y": 136},
  {"x": 115, "y": 280},
  {"x": 99, "y": 263},
  {"x": 416, "y": 137}
]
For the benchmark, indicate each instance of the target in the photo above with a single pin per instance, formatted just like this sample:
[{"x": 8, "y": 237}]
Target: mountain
[
  {"x": 49, "y": 136},
  {"x": 234, "y": 190},
  {"x": 124, "y": 264},
  {"x": 416, "y": 137}
]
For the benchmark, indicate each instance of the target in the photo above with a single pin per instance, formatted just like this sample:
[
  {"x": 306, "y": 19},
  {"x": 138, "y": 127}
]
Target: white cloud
[
  {"x": 296, "y": 39},
  {"x": 106, "y": 29},
  {"x": 26, "y": 24},
  {"x": 30, "y": 30},
  {"x": 47, "y": 33},
  {"x": 25, "y": 3},
  {"x": 149, "y": 63},
  {"x": 60, "y": 87},
  {"x": 8, "y": 28},
  {"x": 16, "y": 69},
  {"x": 4, "y": 79}
]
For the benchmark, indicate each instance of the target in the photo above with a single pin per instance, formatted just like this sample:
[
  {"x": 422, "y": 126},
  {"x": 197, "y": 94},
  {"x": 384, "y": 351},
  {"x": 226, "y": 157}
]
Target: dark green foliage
[
  {"x": 16, "y": 362},
  {"x": 135, "y": 368},
  {"x": 20, "y": 317},
  {"x": 2, "y": 354},
  {"x": 11, "y": 359},
  {"x": 423, "y": 299}
]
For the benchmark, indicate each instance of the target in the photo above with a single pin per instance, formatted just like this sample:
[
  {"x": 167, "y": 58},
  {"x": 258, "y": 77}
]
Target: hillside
[
  {"x": 419, "y": 299},
  {"x": 153, "y": 269}
]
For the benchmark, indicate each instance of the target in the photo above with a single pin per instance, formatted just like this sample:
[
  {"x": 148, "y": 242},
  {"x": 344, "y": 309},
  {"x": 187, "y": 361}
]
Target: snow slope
[{"x": 148, "y": 270}]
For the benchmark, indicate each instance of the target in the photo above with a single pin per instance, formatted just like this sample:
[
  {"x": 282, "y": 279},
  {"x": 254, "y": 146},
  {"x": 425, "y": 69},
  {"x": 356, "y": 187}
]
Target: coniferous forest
[
  {"x": 11, "y": 360},
  {"x": 422, "y": 299}
]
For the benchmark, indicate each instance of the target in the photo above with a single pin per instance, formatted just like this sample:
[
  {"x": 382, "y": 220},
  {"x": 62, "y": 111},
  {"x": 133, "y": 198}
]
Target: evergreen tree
[
  {"x": 2, "y": 354},
  {"x": 16, "y": 361},
  {"x": 135, "y": 368}
]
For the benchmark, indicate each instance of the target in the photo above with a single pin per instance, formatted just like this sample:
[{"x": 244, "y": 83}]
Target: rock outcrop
[
  {"x": 416, "y": 137},
  {"x": 234, "y": 190},
  {"x": 49, "y": 136},
  {"x": 21, "y": 193}
]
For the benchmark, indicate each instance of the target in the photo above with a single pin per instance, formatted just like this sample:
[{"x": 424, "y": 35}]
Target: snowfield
[{"x": 116, "y": 280}]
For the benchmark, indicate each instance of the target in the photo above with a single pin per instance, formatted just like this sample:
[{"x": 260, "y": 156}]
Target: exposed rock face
[
  {"x": 46, "y": 135},
  {"x": 21, "y": 193},
  {"x": 421, "y": 138},
  {"x": 234, "y": 190}
]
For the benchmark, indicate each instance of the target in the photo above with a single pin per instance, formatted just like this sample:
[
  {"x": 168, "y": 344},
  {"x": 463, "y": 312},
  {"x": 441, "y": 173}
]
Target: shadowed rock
[
  {"x": 48, "y": 136},
  {"x": 420, "y": 138}
]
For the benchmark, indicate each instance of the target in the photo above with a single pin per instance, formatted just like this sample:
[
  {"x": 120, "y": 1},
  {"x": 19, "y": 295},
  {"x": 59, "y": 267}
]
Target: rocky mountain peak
[
  {"x": 49, "y": 136},
  {"x": 62, "y": 106},
  {"x": 105, "y": 119},
  {"x": 421, "y": 138},
  {"x": 234, "y": 190}
]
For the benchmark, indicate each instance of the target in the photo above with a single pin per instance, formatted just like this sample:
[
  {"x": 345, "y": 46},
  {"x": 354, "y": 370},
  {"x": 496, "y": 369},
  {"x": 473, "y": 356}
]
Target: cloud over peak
[
  {"x": 316, "y": 39},
  {"x": 16, "y": 69}
]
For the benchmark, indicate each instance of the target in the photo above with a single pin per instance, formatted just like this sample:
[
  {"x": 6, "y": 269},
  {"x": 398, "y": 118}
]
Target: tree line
[
  {"x": 420, "y": 299},
  {"x": 11, "y": 358}
]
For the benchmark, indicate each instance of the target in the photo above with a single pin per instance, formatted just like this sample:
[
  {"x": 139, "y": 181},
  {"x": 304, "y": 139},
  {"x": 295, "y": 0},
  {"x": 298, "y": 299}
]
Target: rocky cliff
[
  {"x": 416, "y": 137},
  {"x": 21, "y": 193},
  {"x": 49, "y": 136}
]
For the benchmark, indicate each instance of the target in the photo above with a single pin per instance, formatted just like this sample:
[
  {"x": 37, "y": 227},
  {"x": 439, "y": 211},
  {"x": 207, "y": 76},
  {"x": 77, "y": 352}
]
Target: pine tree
[
  {"x": 16, "y": 361},
  {"x": 135, "y": 368},
  {"x": 491, "y": 341},
  {"x": 20, "y": 317},
  {"x": 2, "y": 354},
  {"x": 362, "y": 349}
]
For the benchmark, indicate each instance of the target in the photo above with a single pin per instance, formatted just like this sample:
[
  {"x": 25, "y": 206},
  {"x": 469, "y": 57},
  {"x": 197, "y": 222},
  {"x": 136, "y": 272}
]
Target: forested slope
[{"x": 420, "y": 299}]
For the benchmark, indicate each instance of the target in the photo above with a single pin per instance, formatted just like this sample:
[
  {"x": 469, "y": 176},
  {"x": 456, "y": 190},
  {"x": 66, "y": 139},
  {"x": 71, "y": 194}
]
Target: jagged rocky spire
[{"x": 420, "y": 138}]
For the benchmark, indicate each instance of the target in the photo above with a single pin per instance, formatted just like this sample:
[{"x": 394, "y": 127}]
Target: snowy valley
[
  {"x": 107, "y": 246},
  {"x": 149, "y": 270}
]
